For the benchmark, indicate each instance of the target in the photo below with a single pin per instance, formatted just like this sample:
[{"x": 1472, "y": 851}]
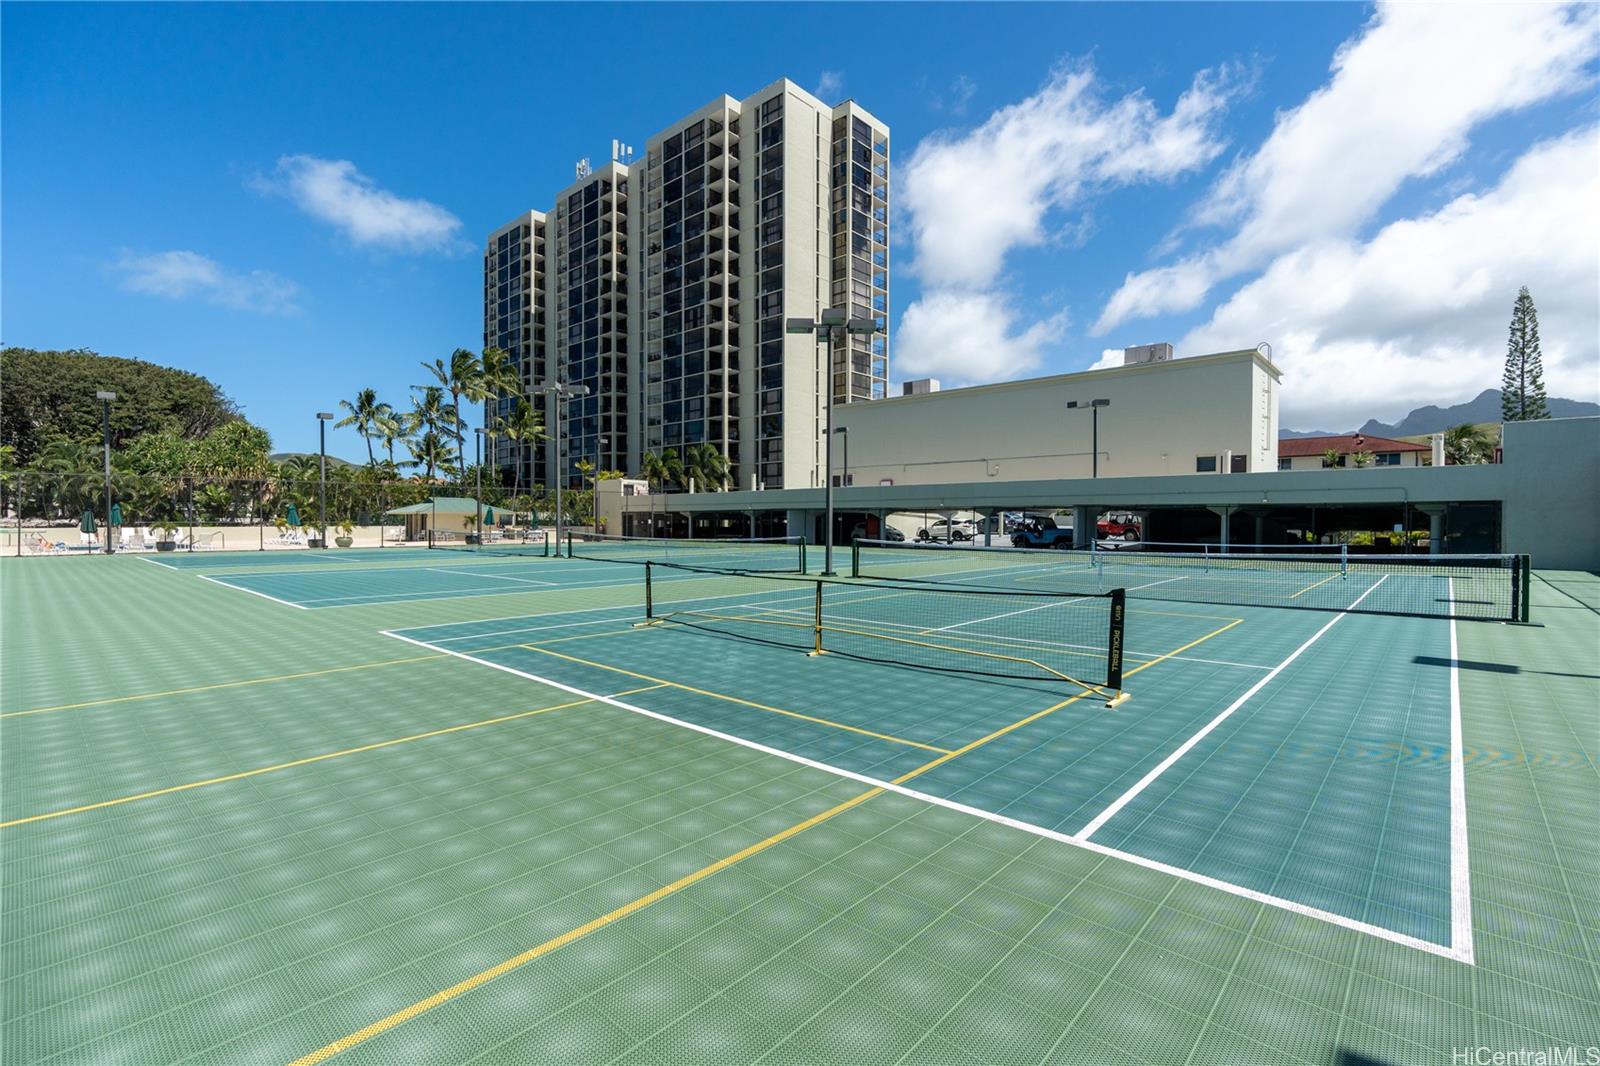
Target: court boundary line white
[
  {"x": 1460, "y": 868},
  {"x": 1098, "y": 821},
  {"x": 1293, "y": 906},
  {"x": 241, "y": 588}
]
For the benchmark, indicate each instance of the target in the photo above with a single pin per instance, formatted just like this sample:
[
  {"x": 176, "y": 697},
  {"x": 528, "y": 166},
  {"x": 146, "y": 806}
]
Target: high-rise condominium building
[
  {"x": 742, "y": 214},
  {"x": 514, "y": 319}
]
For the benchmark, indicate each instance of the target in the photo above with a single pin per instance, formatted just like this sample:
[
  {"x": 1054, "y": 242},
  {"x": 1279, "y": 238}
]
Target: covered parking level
[{"x": 1541, "y": 501}]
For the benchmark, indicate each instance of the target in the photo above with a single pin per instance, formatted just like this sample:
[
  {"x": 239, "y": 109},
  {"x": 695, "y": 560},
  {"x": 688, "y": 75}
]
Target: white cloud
[
  {"x": 830, "y": 84},
  {"x": 182, "y": 275},
  {"x": 972, "y": 198},
  {"x": 967, "y": 338},
  {"x": 1418, "y": 313},
  {"x": 1402, "y": 100},
  {"x": 334, "y": 191}
]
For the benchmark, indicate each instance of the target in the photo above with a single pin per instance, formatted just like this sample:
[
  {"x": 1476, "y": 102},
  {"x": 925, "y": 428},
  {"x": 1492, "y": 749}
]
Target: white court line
[
  {"x": 1460, "y": 871},
  {"x": 1166, "y": 764},
  {"x": 988, "y": 816},
  {"x": 470, "y": 572},
  {"x": 253, "y": 592}
]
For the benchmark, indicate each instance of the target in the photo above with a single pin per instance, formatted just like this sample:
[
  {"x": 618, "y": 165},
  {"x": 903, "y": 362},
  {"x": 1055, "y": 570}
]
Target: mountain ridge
[{"x": 1484, "y": 407}]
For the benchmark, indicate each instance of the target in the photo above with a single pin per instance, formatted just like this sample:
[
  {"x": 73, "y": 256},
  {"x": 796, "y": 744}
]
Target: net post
[
  {"x": 802, "y": 549},
  {"x": 816, "y": 625},
  {"x": 649, "y": 598},
  {"x": 1521, "y": 573},
  {"x": 1117, "y": 623},
  {"x": 855, "y": 556}
]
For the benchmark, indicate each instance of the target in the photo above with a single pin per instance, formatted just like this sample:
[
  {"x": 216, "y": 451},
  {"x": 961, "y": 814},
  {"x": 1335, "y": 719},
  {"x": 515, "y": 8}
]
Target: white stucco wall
[{"x": 1162, "y": 417}]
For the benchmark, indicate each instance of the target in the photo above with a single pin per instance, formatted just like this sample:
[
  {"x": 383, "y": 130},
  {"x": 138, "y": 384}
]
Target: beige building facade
[{"x": 1205, "y": 414}]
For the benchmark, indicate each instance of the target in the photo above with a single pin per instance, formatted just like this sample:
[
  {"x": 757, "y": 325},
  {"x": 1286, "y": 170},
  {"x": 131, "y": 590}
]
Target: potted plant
[
  {"x": 346, "y": 528},
  {"x": 471, "y": 522},
  {"x": 165, "y": 531}
]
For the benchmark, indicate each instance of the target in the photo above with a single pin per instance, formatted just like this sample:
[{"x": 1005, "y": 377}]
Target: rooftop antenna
[
  {"x": 584, "y": 169},
  {"x": 621, "y": 153}
]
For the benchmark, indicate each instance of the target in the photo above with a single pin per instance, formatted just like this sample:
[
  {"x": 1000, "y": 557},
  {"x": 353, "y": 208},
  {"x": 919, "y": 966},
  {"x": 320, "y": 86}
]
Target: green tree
[
  {"x": 460, "y": 376},
  {"x": 51, "y": 394},
  {"x": 1361, "y": 459},
  {"x": 1467, "y": 445},
  {"x": 1522, "y": 385},
  {"x": 1332, "y": 457},
  {"x": 432, "y": 451},
  {"x": 365, "y": 412},
  {"x": 522, "y": 426},
  {"x": 390, "y": 426},
  {"x": 707, "y": 466}
]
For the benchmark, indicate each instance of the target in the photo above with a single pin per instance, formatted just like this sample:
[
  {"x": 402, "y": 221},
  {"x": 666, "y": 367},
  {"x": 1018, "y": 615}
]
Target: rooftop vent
[{"x": 1147, "y": 353}]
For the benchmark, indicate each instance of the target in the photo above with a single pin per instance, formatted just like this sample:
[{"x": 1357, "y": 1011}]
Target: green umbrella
[
  {"x": 116, "y": 514},
  {"x": 87, "y": 525},
  {"x": 488, "y": 516},
  {"x": 293, "y": 517}
]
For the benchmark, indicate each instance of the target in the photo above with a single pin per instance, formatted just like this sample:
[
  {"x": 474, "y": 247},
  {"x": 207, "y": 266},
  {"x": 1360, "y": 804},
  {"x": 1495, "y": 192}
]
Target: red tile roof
[{"x": 1345, "y": 443}]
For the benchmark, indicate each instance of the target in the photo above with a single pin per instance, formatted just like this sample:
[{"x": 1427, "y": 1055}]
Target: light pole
[
  {"x": 557, "y": 391},
  {"x": 323, "y": 418},
  {"x": 477, "y": 473},
  {"x": 105, "y": 399},
  {"x": 835, "y": 318},
  {"x": 844, "y": 477},
  {"x": 1094, "y": 415}
]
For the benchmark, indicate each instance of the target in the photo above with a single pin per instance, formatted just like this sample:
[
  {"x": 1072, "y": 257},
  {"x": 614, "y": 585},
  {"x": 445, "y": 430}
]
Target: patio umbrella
[
  {"x": 488, "y": 516},
  {"x": 293, "y": 515},
  {"x": 87, "y": 524},
  {"x": 116, "y": 514}
]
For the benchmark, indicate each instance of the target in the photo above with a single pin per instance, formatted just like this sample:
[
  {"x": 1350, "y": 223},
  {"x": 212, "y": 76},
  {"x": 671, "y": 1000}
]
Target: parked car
[
  {"x": 885, "y": 532},
  {"x": 1117, "y": 527},
  {"x": 946, "y": 529},
  {"x": 1041, "y": 532}
]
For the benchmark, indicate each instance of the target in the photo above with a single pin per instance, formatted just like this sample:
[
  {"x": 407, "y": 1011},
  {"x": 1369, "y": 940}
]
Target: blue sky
[{"x": 290, "y": 199}]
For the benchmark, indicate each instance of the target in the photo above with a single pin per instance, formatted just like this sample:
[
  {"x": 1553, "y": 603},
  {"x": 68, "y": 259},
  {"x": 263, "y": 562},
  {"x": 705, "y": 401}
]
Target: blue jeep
[{"x": 1038, "y": 531}]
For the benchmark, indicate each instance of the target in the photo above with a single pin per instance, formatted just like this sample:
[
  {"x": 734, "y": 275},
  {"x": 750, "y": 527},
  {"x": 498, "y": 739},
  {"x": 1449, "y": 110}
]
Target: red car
[{"x": 1117, "y": 527}]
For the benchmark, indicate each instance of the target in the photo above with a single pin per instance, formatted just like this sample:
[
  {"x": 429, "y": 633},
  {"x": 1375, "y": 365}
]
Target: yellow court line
[
  {"x": 1314, "y": 584},
  {"x": 399, "y": 1017},
  {"x": 734, "y": 699},
  {"x": 385, "y": 1024},
  {"x": 221, "y": 685},
  {"x": 302, "y": 762}
]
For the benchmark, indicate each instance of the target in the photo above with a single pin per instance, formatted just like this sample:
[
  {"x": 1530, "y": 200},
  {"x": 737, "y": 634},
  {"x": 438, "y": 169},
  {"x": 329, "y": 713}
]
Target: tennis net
[
  {"x": 1483, "y": 587},
  {"x": 531, "y": 544},
  {"x": 767, "y": 554},
  {"x": 1075, "y": 640}
]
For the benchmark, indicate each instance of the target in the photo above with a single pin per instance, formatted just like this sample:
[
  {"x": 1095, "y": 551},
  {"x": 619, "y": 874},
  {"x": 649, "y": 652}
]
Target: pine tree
[{"x": 1522, "y": 386}]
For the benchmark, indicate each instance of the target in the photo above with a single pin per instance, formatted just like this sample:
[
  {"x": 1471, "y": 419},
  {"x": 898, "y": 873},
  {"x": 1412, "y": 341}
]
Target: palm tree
[
  {"x": 1466, "y": 445},
  {"x": 431, "y": 450},
  {"x": 364, "y": 415},
  {"x": 390, "y": 427},
  {"x": 707, "y": 466},
  {"x": 429, "y": 411},
  {"x": 672, "y": 468},
  {"x": 522, "y": 426},
  {"x": 459, "y": 377}
]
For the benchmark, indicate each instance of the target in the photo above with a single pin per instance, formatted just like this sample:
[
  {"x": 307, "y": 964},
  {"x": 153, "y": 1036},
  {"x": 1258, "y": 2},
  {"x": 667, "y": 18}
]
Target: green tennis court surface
[{"x": 482, "y": 814}]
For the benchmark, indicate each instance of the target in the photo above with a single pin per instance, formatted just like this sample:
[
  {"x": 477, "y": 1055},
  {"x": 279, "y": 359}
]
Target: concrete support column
[
  {"x": 1225, "y": 512},
  {"x": 1261, "y": 526},
  {"x": 1083, "y": 516},
  {"x": 1435, "y": 513},
  {"x": 799, "y": 524}
]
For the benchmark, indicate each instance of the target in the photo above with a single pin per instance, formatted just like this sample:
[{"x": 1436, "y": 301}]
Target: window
[
  {"x": 1285, "y": 463},
  {"x": 1326, "y": 465},
  {"x": 1236, "y": 465},
  {"x": 1387, "y": 459},
  {"x": 1205, "y": 464}
]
